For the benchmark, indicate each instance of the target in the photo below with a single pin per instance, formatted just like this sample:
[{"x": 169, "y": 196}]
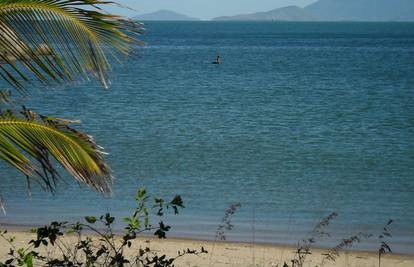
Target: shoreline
[
  {"x": 243, "y": 254},
  {"x": 26, "y": 229}
]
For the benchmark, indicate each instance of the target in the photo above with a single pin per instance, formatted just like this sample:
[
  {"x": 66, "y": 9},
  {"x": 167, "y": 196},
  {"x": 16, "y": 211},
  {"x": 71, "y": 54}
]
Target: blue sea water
[{"x": 299, "y": 120}]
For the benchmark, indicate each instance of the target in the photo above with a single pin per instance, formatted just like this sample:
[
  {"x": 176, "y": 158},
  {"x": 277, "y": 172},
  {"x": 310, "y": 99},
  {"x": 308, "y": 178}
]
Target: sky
[{"x": 204, "y": 9}]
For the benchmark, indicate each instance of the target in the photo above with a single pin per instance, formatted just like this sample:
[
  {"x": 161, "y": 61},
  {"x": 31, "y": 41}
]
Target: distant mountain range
[
  {"x": 336, "y": 10},
  {"x": 292, "y": 13},
  {"x": 166, "y": 15}
]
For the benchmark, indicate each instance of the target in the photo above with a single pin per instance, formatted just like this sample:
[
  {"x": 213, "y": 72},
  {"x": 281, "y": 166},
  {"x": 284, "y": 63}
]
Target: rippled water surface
[{"x": 300, "y": 120}]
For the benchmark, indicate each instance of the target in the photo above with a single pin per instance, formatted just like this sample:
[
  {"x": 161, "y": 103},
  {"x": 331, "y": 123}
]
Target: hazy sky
[{"x": 206, "y": 9}]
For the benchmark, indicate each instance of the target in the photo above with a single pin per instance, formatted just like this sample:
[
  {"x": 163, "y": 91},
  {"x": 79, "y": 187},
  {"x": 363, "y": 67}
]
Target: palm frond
[
  {"x": 27, "y": 143},
  {"x": 60, "y": 40},
  {"x": 5, "y": 97}
]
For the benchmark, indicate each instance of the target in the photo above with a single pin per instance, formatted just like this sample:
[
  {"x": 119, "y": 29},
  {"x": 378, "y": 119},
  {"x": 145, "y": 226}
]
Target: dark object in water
[{"x": 217, "y": 61}]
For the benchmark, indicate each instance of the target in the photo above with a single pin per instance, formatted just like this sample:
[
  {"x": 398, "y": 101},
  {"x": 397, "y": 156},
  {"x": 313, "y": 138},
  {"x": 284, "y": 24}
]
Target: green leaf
[
  {"x": 90, "y": 219},
  {"x": 135, "y": 223},
  {"x": 109, "y": 219},
  {"x": 178, "y": 201},
  {"x": 75, "y": 151},
  {"x": 28, "y": 259},
  {"x": 61, "y": 40},
  {"x": 141, "y": 193}
]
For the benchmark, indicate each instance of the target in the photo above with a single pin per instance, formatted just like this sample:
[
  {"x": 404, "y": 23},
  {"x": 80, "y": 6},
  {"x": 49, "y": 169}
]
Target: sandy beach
[{"x": 239, "y": 254}]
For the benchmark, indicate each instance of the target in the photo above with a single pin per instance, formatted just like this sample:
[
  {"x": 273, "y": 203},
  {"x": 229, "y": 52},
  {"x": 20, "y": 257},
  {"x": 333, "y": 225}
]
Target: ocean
[{"x": 299, "y": 120}]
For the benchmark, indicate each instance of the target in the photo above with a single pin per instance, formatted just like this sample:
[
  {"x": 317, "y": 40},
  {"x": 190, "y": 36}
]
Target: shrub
[{"x": 54, "y": 245}]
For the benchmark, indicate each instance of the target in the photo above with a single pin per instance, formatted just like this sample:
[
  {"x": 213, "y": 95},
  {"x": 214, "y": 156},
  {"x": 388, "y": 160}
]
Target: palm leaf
[
  {"x": 26, "y": 144},
  {"x": 5, "y": 97},
  {"x": 60, "y": 40},
  {"x": 55, "y": 41}
]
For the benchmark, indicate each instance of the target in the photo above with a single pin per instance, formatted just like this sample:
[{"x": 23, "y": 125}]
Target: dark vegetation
[
  {"x": 226, "y": 224},
  {"x": 53, "y": 245},
  {"x": 305, "y": 246}
]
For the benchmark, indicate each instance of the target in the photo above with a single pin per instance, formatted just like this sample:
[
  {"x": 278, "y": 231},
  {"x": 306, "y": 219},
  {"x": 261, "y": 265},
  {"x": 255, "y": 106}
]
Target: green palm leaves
[
  {"x": 5, "y": 97},
  {"x": 76, "y": 152},
  {"x": 60, "y": 40},
  {"x": 54, "y": 41}
]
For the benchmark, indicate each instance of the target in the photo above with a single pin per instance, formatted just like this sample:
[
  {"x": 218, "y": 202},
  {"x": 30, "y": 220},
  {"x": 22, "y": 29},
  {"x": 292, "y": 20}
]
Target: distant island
[
  {"x": 164, "y": 15},
  {"x": 322, "y": 10},
  {"x": 290, "y": 13},
  {"x": 336, "y": 10}
]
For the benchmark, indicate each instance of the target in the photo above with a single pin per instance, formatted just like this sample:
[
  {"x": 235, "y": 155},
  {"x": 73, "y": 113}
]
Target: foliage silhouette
[{"x": 54, "y": 247}]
